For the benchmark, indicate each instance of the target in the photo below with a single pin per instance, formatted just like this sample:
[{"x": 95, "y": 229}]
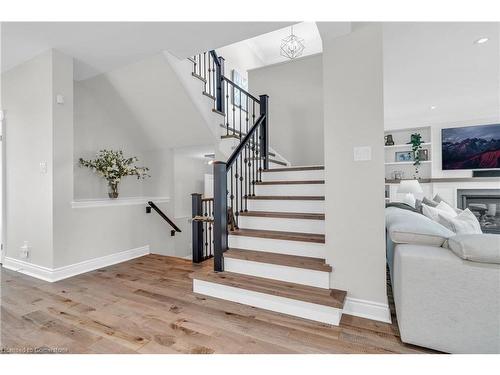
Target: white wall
[
  {"x": 91, "y": 118},
  {"x": 295, "y": 92},
  {"x": 27, "y": 100},
  {"x": 354, "y": 116}
]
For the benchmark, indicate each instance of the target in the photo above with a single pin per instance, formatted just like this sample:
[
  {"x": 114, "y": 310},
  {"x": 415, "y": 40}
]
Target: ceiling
[
  {"x": 100, "y": 47},
  {"x": 267, "y": 46},
  {"x": 429, "y": 65}
]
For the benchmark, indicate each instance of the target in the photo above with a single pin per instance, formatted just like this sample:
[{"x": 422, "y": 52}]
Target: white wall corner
[
  {"x": 60, "y": 273},
  {"x": 367, "y": 309}
]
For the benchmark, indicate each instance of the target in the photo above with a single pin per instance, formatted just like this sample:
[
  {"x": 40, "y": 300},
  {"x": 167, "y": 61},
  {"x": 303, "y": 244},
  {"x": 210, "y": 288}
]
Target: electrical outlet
[{"x": 25, "y": 250}]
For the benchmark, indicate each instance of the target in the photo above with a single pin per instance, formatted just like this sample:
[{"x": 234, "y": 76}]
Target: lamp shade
[{"x": 410, "y": 186}]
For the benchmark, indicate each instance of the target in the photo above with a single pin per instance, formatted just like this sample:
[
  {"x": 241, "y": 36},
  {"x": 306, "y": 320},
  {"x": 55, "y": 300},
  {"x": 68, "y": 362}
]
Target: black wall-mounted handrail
[{"x": 165, "y": 217}]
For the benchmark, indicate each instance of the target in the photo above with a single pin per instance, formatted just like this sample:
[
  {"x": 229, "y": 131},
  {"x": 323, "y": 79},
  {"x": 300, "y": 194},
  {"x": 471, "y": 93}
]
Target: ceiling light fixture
[
  {"x": 433, "y": 107},
  {"x": 292, "y": 46},
  {"x": 481, "y": 40}
]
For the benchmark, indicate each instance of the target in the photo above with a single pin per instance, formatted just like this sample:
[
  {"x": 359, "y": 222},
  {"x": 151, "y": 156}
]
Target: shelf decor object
[
  {"x": 113, "y": 166},
  {"x": 410, "y": 187},
  {"x": 388, "y": 140},
  {"x": 416, "y": 146}
]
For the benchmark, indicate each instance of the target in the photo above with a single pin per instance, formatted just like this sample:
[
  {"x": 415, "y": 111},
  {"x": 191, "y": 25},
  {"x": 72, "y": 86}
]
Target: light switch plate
[
  {"x": 59, "y": 99},
  {"x": 362, "y": 153},
  {"x": 43, "y": 167}
]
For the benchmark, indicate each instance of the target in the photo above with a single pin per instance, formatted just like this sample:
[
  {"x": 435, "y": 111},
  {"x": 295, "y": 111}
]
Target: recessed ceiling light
[
  {"x": 481, "y": 40},
  {"x": 433, "y": 107}
]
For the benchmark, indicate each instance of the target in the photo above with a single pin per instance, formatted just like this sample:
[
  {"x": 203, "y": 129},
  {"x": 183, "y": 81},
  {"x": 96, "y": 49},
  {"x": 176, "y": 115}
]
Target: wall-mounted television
[{"x": 471, "y": 147}]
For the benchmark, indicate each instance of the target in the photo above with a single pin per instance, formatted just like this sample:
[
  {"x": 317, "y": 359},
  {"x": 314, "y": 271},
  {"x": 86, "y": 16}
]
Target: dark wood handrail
[
  {"x": 244, "y": 142},
  {"x": 241, "y": 89},
  {"x": 215, "y": 57},
  {"x": 165, "y": 217}
]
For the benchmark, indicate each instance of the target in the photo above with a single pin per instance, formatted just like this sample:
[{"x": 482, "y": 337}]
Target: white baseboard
[
  {"x": 367, "y": 309},
  {"x": 60, "y": 273}
]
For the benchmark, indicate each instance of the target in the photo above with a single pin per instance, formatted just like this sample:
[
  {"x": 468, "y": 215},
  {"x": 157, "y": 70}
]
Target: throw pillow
[
  {"x": 463, "y": 223},
  {"x": 418, "y": 205},
  {"x": 433, "y": 212},
  {"x": 429, "y": 202},
  {"x": 437, "y": 198}
]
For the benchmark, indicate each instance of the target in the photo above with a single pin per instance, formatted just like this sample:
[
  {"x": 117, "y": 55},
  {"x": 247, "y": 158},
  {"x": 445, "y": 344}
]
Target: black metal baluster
[
  {"x": 236, "y": 211},
  {"x": 234, "y": 113},
  {"x": 205, "y": 229},
  {"x": 246, "y": 177},
  {"x": 227, "y": 108},
  {"x": 209, "y": 76},
  {"x": 205, "y": 70},
  {"x": 252, "y": 165},
  {"x": 232, "y": 193},
  {"x": 259, "y": 132},
  {"x": 241, "y": 181},
  {"x": 241, "y": 106},
  {"x": 210, "y": 240}
]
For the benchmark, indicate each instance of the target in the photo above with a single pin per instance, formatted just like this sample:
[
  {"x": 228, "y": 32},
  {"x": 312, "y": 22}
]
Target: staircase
[{"x": 271, "y": 254}]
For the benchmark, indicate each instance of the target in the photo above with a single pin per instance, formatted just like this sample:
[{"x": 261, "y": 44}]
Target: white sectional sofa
[{"x": 443, "y": 301}]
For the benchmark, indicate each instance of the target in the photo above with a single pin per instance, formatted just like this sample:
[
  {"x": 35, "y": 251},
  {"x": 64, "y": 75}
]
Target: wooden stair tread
[
  {"x": 317, "y": 264},
  {"x": 326, "y": 297},
  {"x": 199, "y": 77},
  {"x": 289, "y": 197},
  {"x": 279, "y": 162},
  {"x": 284, "y": 215},
  {"x": 294, "y": 169},
  {"x": 279, "y": 235},
  {"x": 208, "y": 95},
  {"x": 291, "y": 182},
  {"x": 218, "y": 112}
]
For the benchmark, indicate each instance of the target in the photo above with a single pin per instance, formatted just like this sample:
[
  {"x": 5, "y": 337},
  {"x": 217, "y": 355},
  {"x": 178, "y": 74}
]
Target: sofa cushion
[
  {"x": 463, "y": 223},
  {"x": 484, "y": 248},
  {"x": 409, "y": 227}
]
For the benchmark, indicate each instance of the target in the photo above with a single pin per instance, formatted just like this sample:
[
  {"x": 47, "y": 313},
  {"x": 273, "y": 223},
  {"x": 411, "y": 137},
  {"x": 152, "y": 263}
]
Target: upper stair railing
[{"x": 246, "y": 118}]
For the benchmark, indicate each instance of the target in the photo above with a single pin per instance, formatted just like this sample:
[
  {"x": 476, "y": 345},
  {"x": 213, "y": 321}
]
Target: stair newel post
[
  {"x": 220, "y": 214},
  {"x": 197, "y": 235},
  {"x": 264, "y": 142},
  {"x": 219, "y": 73}
]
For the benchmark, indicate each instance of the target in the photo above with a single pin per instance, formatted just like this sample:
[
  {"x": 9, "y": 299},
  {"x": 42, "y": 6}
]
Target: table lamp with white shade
[{"x": 410, "y": 187}]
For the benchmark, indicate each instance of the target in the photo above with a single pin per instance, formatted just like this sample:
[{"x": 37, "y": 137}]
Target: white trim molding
[
  {"x": 55, "y": 274},
  {"x": 367, "y": 309},
  {"x": 108, "y": 202}
]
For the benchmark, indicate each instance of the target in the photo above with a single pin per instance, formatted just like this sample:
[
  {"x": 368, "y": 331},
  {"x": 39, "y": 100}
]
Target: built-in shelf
[
  {"x": 407, "y": 145},
  {"x": 126, "y": 201},
  {"x": 406, "y": 162}
]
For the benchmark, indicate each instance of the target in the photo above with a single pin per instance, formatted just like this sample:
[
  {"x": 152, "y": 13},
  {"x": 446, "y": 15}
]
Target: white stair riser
[
  {"x": 306, "y": 310},
  {"x": 299, "y": 189},
  {"x": 306, "y": 249},
  {"x": 287, "y": 225},
  {"x": 319, "y": 279},
  {"x": 317, "y": 207},
  {"x": 294, "y": 175}
]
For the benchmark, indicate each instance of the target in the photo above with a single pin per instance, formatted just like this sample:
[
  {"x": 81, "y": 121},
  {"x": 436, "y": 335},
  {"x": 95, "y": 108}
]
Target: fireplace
[{"x": 485, "y": 204}]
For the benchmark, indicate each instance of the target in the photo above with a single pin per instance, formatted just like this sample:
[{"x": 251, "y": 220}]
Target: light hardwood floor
[{"x": 146, "y": 305}]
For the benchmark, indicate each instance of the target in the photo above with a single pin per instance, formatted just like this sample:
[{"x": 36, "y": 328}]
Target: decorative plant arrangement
[
  {"x": 416, "y": 146},
  {"x": 113, "y": 166}
]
